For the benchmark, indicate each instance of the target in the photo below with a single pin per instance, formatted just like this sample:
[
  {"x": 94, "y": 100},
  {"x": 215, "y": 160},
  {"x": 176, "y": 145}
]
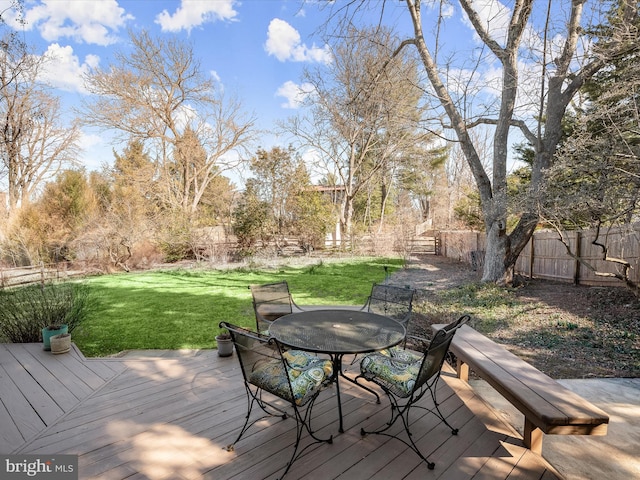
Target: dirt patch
[
  {"x": 581, "y": 331},
  {"x": 564, "y": 330}
]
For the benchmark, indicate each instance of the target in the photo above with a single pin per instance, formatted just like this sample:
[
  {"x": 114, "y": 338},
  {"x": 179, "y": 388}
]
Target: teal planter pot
[{"x": 50, "y": 331}]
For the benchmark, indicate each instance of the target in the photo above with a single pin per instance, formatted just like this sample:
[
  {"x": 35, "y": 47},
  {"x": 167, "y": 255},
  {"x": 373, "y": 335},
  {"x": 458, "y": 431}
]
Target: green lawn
[{"x": 174, "y": 309}]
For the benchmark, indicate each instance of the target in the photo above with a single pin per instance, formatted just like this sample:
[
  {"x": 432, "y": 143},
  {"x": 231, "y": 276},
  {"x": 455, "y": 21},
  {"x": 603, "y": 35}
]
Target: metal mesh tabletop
[{"x": 337, "y": 331}]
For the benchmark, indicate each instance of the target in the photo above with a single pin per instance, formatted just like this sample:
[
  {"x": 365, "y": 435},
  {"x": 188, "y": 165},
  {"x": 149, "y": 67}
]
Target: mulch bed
[{"x": 568, "y": 331}]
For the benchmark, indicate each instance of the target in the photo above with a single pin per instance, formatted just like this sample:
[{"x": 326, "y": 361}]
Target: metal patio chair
[
  {"x": 271, "y": 301},
  {"x": 391, "y": 301},
  {"x": 294, "y": 376},
  {"x": 406, "y": 377}
]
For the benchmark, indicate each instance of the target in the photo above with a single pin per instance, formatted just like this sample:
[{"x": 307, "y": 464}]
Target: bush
[{"x": 25, "y": 311}]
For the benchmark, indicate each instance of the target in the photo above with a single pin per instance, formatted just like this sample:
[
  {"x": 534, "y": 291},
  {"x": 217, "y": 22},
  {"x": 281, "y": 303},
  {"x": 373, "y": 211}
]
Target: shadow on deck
[{"x": 171, "y": 417}]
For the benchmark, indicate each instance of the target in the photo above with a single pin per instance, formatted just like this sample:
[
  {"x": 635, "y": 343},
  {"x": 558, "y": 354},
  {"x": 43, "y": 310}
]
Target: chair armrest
[
  {"x": 295, "y": 306},
  {"x": 414, "y": 340}
]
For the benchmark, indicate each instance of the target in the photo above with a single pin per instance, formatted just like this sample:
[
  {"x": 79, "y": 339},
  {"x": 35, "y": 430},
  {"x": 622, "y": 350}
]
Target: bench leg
[
  {"x": 532, "y": 437},
  {"x": 462, "y": 370}
]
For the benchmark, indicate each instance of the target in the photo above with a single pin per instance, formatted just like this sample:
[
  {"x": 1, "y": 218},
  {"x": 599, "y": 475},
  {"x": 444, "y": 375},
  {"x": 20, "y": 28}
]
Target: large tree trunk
[
  {"x": 502, "y": 250},
  {"x": 495, "y": 269},
  {"x": 498, "y": 265},
  {"x": 346, "y": 219}
]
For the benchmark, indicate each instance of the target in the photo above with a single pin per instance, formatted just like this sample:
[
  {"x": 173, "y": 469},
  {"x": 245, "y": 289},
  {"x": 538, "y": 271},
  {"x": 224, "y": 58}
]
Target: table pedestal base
[{"x": 338, "y": 372}]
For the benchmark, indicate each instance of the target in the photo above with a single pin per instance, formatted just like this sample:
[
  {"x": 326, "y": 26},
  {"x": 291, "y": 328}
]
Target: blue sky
[{"x": 256, "y": 49}]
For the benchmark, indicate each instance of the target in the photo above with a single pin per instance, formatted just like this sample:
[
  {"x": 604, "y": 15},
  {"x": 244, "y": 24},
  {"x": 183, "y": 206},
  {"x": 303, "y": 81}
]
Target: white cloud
[
  {"x": 446, "y": 10},
  {"x": 64, "y": 70},
  {"x": 96, "y": 149},
  {"x": 88, "y": 141},
  {"x": 193, "y": 13},
  {"x": 294, "y": 93},
  {"x": 10, "y": 15},
  {"x": 85, "y": 21},
  {"x": 284, "y": 43},
  {"x": 311, "y": 156},
  {"x": 217, "y": 81},
  {"x": 185, "y": 115},
  {"x": 214, "y": 75}
]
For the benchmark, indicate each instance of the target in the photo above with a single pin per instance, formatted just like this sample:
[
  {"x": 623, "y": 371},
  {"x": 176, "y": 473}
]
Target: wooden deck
[{"x": 171, "y": 417}]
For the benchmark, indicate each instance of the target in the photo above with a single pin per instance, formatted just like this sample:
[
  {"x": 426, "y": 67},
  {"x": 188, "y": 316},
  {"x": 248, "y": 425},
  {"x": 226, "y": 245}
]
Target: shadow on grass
[{"x": 181, "y": 309}]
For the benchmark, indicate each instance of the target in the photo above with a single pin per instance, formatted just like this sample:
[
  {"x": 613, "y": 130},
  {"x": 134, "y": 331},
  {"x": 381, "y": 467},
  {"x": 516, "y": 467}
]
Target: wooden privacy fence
[
  {"x": 462, "y": 245},
  {"x": 546, "y": 257}
]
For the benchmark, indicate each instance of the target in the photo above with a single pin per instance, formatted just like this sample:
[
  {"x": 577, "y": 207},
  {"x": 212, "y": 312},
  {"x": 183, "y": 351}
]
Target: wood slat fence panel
[
  {"x": 27, "y": 275},
  {"x": 546, "y": 257}
]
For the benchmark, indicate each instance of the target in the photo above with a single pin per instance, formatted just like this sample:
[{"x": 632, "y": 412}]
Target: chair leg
[
  {"x": 255, "y": 398},
  {"x": 399, "y": 411},
  {"x": 402, "y": 412},
  {"x": 437, "y": 412},
  {"x": 436, "y": 406},
  {"x": 303, "y": 423}
]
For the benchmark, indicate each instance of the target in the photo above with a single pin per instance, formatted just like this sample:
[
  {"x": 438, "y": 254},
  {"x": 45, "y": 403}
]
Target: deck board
[
  {"x": 46, "y": 378},
  {"x": 158, "y": 418}
]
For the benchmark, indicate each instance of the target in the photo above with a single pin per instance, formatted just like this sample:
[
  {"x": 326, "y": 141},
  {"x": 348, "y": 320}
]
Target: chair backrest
[
  {"x": 270, "y": 301},
  {"x": 436, "y": 352},
  {"x": 252, "y": 349},
  {"x": 290, "y": 375},
  {"x": 392, "y": 301}
]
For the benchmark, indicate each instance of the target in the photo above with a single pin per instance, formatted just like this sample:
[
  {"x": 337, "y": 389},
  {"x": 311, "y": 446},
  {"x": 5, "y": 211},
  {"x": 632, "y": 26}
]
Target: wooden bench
[{"x": 548, "y": 407}]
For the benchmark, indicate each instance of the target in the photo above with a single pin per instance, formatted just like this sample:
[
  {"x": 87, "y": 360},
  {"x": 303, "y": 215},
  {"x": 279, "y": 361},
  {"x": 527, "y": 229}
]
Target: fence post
[
  {"x": 576, "y": 267},
  {"x": 532, "y": 255}
]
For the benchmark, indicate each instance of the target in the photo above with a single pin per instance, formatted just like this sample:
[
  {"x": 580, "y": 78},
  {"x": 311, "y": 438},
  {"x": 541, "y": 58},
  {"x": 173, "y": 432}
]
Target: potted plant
[
  {"x": 50, "y": 331},
  {"x": 61, "y": 343},
  {"x": 225, "y": 343}
]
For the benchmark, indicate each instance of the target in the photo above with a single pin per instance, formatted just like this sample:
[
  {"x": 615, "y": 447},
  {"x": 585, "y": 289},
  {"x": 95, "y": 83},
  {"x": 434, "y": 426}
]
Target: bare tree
[
  {"x": 35, "y": 143},
  {"x": 364, "y": 114},
  {"x": 12, "y": 47},
  {"x": 595, "y": 182},
  {"x": 563, "y": 69},
  {"x": 158, "y": 93}
]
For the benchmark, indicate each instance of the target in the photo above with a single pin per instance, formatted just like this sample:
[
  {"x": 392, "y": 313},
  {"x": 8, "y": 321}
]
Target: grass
[{"x": 181, "y": 309}]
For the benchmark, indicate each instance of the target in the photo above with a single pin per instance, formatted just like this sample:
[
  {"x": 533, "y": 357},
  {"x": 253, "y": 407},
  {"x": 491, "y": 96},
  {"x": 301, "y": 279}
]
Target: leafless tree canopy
[
  {"x": 512, "y": 37},
  {"x": 36, "y": 142},
  {"x": 158, "y": 93},
  {"x": 364, "y": 114}
]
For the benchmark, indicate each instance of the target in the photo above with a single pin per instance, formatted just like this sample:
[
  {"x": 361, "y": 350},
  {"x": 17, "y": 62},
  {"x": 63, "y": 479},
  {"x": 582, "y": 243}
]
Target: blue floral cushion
[
  {"x": 306, "y": 373},
  {"x": 394, "y": 373}
]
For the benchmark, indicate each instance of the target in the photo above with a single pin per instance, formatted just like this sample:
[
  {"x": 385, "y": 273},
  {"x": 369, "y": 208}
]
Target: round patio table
[{"x": 338, "y": 332}]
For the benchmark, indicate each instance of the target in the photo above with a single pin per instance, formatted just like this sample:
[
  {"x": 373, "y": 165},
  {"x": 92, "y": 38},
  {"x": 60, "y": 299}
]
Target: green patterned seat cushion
[
  {"x": 394, "y": 373},
  {"x": 306, "y": 372},
  {"x": 402, "y": 354}
]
